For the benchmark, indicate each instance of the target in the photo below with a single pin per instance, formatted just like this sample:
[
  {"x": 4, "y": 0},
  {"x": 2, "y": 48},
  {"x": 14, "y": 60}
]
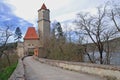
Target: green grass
[{"x": 6, "y": 73}]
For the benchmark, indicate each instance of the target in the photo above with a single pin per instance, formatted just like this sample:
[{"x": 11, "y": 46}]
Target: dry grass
[
  {"x": 4, "y": 61},
  {"x": 110, "y": 78}
]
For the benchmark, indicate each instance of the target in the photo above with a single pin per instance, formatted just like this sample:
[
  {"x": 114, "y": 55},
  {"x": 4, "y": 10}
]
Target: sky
[
  {"x": 23, "y": 13},
  {"x": 59, "y": 10}
]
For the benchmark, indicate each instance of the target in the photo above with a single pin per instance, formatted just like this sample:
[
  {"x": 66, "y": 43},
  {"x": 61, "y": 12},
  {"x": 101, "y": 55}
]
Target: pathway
[{"x": 34, "y": 70}]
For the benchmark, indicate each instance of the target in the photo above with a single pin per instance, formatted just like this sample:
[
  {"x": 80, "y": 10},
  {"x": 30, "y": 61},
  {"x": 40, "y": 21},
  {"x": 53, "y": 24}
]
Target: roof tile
[{"x": 31, "y": 34}]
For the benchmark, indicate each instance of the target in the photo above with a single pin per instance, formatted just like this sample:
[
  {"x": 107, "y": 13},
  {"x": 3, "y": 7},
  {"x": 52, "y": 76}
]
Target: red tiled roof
[
  {"x": 43, "y": 6},
  {"x": 31, "y": 34}
]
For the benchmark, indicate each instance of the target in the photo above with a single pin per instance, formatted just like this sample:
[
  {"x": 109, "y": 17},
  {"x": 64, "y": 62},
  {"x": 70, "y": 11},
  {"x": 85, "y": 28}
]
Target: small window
[
  {"x": 28, "y": 44},
  {"x": 32, "y": 44}
]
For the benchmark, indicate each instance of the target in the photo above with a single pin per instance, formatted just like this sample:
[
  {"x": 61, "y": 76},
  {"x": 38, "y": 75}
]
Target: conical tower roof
[{"x": 43, "y": 6}]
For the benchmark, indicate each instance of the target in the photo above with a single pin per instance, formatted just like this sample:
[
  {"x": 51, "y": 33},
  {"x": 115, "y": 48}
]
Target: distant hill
[{"x": 114, "y": 45}]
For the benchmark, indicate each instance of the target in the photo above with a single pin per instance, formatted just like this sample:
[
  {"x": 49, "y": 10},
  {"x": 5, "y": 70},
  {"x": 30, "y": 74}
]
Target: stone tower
[{"x": 43, "y": 24}]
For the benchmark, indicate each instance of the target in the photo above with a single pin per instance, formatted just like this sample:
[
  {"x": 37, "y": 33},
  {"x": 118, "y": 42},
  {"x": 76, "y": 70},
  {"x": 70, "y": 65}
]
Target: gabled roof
[
  {"x": 31, "y": 34},
  {"x": 43, "y": 6}
]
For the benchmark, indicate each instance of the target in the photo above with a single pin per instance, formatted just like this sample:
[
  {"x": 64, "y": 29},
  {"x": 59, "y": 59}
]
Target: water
[{"x": 114, "y": 60}]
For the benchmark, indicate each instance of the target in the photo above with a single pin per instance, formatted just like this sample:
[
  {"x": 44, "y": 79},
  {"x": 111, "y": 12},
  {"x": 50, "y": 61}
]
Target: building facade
[
  {"x": 37, "y": 38},
  {"x": 31, "y": 40}
]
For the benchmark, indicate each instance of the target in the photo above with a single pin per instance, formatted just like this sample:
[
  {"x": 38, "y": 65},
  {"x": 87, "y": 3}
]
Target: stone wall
[
  {"x": 112, "y": 72},
  {"x": 18, "y": 74},
  {"x": 20, "y": 49},
  {"x": 29, "y": 45}
]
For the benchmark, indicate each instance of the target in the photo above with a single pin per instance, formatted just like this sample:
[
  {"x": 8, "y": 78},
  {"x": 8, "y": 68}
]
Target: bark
[{"x": 8, "y": 58}]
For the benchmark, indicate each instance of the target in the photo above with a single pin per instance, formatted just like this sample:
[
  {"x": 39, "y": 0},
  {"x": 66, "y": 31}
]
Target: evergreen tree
[
  {"x": 53, "y": 29},
  {"x": 59, "y": 30},
  {"x": 18, "y": 34}
]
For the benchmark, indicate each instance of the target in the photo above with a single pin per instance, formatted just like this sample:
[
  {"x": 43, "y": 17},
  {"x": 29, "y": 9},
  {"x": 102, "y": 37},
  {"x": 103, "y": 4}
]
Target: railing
[{"x": 108, "y": 71}]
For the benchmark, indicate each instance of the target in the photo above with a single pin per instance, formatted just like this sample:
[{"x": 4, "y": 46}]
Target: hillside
[{"x": 114, "y": 45}]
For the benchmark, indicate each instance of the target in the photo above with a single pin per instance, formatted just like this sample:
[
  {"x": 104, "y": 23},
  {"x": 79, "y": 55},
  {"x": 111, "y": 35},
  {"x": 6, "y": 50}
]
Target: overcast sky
[
  {"x": 60, "y": 10},
  {"x": 23, "y": 13}
]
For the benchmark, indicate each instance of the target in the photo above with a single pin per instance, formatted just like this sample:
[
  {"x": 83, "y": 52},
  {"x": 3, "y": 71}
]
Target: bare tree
[
  {"x": 114, "y": 14},
  {"x": 108, "y": 48},
  {"x": 5, "y": 35},
  {"x": 83, "y": 41},
  {"x": 95, "y": 27}
]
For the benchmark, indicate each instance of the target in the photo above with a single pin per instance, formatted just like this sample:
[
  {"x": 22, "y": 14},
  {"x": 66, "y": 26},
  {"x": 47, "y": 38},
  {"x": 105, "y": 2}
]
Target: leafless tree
[
  {"x": 83, "y": 41},
  {"x": 114, "y": 14},
  {"x": 96, "y": 27},
  {"x": 4, "y": 36},
  {"x": 109, "y": 47}
]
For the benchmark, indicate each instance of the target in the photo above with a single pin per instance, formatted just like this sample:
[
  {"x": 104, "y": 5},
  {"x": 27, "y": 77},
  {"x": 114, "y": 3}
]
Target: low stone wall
[
  {"x": 18, "y": 74},
  {"x": 110, "y": 72}
]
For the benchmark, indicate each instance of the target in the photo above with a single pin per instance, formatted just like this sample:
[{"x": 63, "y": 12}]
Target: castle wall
[{"x": 20, "y": 49}]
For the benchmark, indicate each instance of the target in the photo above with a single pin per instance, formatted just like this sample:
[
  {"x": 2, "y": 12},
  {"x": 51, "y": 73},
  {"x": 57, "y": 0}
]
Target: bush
[
  {"x": 110, "y": 78},
  {"x": 61, "y": 50}
]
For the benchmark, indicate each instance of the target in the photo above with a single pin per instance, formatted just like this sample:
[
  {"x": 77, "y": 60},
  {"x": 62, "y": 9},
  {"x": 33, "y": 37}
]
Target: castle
[{"x": 33, "y": 38}]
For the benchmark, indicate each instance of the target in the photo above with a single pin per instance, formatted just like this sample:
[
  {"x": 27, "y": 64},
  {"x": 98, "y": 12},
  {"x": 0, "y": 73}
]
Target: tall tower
[{"x": 43, "y": 24}]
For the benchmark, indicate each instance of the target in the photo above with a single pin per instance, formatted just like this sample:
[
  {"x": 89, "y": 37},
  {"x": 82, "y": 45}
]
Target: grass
[
  {"x": 7, "y": 72},
  {"x": 5, "y": 69}
]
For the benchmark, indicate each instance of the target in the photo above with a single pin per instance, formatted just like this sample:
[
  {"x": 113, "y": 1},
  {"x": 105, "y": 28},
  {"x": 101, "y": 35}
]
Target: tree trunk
[
  {"x": 108, "y": 53},
  {"x": 100, "y": 48},
  {"x": 8, "y": 59}
]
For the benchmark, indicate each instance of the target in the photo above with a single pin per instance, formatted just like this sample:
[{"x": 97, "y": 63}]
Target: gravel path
[{"x": 34, "y": 70}]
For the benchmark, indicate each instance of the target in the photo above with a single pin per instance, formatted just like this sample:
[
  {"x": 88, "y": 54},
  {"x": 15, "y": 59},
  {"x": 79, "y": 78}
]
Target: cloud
[
  {"x": 7, "y": 17},
  {"x": 59, "y": 10}
]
